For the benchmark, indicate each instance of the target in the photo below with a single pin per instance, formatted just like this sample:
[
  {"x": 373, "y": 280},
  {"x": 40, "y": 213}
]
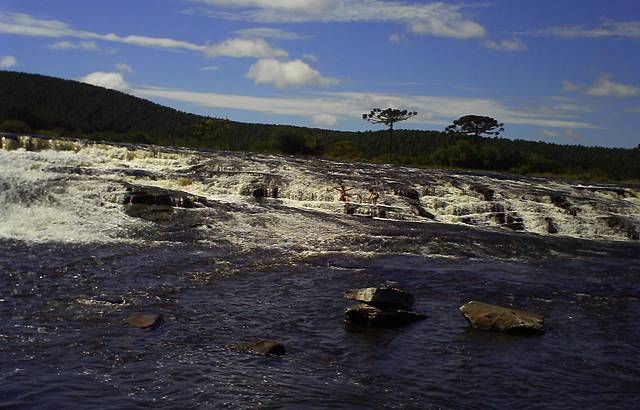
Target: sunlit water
[{"x": 243, "y": 268}]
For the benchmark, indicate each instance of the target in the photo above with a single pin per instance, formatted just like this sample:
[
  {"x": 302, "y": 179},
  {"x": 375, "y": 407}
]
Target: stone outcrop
[
  {"x": 371, "y": 316},
  {"x": 144, "y": 320},
  {"x": 262, "y": 347},
  {"x": 382, "y": 297},
  {"x": 408, "y": 193},
  {"x": 381, "y": 307},
  {"x": 497, "y": 318},
  {"x": 157, "y": 204}
]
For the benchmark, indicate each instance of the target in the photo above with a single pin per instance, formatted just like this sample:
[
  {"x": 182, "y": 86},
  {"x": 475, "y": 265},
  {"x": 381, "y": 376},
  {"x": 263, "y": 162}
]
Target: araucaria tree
[
  {"x": 388, "y": 117},
  {"x": 476, "y": 125}
]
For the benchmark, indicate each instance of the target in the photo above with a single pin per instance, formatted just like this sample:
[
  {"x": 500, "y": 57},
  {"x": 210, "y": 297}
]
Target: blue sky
[{"x": 563, "y": 72}]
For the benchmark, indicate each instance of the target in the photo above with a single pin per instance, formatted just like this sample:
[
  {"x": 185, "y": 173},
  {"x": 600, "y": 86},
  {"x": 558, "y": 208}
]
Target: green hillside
[{"x": 32, "y": 103}]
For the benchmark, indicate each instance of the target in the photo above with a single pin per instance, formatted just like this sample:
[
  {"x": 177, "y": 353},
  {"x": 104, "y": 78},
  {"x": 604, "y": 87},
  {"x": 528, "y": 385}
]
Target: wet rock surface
[
  {"x": 146, "y": 195},
  {"x": 371, "y": 316},
  {"x": 382, "y": 297},
  {"x": 144, "y": 320},
  {"x": 497, "y": 318},
  {"x": 384, "y": 307},
  {"x": 158, "y": 204},
  {"x": 262, "y": 347}
]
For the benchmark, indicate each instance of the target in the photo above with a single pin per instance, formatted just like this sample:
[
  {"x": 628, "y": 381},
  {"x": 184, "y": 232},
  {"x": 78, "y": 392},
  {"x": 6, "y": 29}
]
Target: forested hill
[{"x": 31, "y": 103}]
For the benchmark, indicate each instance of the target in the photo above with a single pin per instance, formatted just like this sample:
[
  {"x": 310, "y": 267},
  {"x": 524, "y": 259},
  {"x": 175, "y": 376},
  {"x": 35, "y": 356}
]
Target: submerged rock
[
  {"x": 497, "y": 318},
  {"x": 144, "y": 320},
  {"x": 371, "y": 316},
  {"x": 262, "y": 347},
  {"x": 106, "y": 299},
  {"x": 382, "y": 297}
]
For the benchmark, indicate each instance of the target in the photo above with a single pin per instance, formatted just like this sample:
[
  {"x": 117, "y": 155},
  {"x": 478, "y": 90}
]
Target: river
[{"x": 240, "y": 247}]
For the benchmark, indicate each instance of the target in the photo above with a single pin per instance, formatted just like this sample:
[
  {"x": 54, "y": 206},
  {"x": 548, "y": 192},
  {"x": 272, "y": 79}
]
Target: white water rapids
[{"x": 71, "y": 191}]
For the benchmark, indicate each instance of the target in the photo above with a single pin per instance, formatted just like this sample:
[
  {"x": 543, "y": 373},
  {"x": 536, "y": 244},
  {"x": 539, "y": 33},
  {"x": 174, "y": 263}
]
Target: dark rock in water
[
  {"x": 622, "y": 224},
  {"x": 562, "y": 202},
  {"x": 370, "y": 316},
  {"x": 485, "y": 191},
  {"x": 469, "y": 220},
  {"x": 157, "y": 204},
  {"x": 112, "y": 300},
  {"x": 146, "y": 195},
  {"x": 551, "y": 226},
  {"x": 350, "y": 209},
  {"x": 264, "y": 192},
  {"x": 497, "y": 318},
  {"x": 383, "y": 297},
  {"x": 407, "y": 193},
  {"x": 263, "y": 347},
  {"x": 513, "y": 221},
  {"x": 144, "y": 320},
  {"x": 424, "y": 213}
]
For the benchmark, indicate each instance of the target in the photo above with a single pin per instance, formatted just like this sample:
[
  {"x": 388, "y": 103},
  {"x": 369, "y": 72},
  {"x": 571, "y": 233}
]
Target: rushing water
[{"x": 230, "y": 268}]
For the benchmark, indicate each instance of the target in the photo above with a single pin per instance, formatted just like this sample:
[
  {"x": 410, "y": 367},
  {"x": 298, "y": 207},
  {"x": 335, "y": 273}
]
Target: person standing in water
[
  {"x": 373, "y": 196},
  {"x": 344, "y": 196}
]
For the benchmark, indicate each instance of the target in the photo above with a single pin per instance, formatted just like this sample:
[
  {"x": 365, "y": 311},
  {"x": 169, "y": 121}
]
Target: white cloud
[
  {"x": 210, "y": 68},
  {"x": 124, "y": 68},
  {"x": 8, "y": 62},
  {"x": 80, "y": 45},
  {"x": 566, "y": 134},
  {"x": 569, "y": 86},
  {"x": 244, "y": 47},
  {"x": 395, "y": 38},
  {"x": 624, "y": 29},
  {"x": 264, "y": 32},
  {"x": 325, "y": 120},
  {"x": 505, "y": 45},
  {"x": 604, "y": 86},
  {"x": 295, "y": 73},
  {"x": 26, "y": 25},
  {"x": 431, "y": 109},
  {"x": 310, "y": 57},
  {"x": 111, "y": 80},
  {"x": 436, "y": 19}
]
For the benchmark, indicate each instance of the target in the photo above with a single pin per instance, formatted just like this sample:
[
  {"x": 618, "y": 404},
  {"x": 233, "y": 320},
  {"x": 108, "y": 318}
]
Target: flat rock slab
[
  {"x": 383, "y": 297},
  {"x": 367, "y": 315},
  {"x": 144, "y": 320},
  {"x": 497, "y": 318},
  {"x": 262, "y": 347}
]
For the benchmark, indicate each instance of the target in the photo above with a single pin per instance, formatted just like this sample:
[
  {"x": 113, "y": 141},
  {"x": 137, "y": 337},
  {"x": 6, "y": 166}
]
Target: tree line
[{"x": 32, "y": 103}]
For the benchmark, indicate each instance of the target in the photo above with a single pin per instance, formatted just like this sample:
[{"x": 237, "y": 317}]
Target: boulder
[
  {"x": 144, "y": 320},
  {"x": 158, "y": 204},
  {"x": 485, "y": 191},
  {"x": 497, "y": 318},
  {"x": 409, "y": 193},
  {"x": 262, "y": 347},
  {"x": 382, "y": 297},
  {"x": 147, "y": 195},
  {"x": 552, "y": 228},
  {"x": 370, "y": 316}
]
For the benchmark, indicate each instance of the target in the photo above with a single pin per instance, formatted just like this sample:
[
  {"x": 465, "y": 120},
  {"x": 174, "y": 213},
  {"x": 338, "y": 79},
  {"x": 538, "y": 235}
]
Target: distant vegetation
[{"x": 44, "y": 105}]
